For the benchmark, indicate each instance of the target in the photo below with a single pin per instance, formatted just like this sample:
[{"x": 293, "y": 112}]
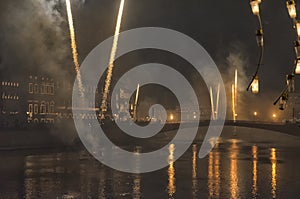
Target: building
[
  {"x": 11, "y": 111},
  {"x": 41, "y": 100}
]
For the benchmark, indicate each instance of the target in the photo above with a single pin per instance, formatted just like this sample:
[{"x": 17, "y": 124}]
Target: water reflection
[
  {"x": 254, "y": 172},
  {"x": 274, "y": 165},
  {"x": 38, "y": 172},
  {"x": 194, "y": 171},
  {"x": 234, "y": 188},
  {"x": 214, "y": 173},
  {"x": 171, "y": 172},
  {"x": 136, "y": 188}
]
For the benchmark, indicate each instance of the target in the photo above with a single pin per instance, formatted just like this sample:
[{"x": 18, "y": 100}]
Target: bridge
[{"x": 288, "y": 128}]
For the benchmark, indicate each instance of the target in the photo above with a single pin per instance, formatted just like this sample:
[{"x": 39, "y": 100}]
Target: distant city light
[
  {"x": 274, "y": 115},
  {"x": 171, "y": 117},
  {"x": 255, "y": 113}
]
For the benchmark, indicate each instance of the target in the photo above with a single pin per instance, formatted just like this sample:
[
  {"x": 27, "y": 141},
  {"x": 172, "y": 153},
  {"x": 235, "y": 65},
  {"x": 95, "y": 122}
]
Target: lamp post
[
  {"x": 254, "y": 83},
  {"x": 290, "y": 78}
]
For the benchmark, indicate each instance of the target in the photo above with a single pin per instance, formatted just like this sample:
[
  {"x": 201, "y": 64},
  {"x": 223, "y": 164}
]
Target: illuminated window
[
  {"x": 51, "y": 89},
  {"x": 36, "y": 88},
  {"x": 30, "y": 87},
  {"x": 2, "y": 83},
  {"x": 36, "y": 109},
  {"x": 43, "y": 91},
  {"x": 51, "y": 108},
  {"x": 30, "y": 108},
  {"x": 43, "y": 108}
]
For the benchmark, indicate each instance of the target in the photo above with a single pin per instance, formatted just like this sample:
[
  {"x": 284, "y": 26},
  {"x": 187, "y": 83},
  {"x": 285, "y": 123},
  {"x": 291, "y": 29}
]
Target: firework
[
  {"x": 74, "y": 46},
  {"x": 111, "y": 59}
]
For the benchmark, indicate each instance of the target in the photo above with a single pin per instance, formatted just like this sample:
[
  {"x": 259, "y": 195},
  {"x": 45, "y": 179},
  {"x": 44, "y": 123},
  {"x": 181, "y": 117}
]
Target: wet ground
[{"x": 248, "y": 163}]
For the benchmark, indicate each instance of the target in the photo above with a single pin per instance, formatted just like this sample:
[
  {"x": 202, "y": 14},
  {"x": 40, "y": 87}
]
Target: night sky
[{"x": 34, "y": 36}]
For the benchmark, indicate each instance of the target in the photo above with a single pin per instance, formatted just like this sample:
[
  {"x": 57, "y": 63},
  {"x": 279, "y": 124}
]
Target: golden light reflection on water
[
  {"x": 194, "y": 172},
  {"x": 214, "y": 179},
  {"x": 254, "y": 172},
  {"x": 171, "y": 172},
  {"x": 273, "y": 159},
  {"x": 234, "y": 189},
  {"x": 136, "y": 188}
]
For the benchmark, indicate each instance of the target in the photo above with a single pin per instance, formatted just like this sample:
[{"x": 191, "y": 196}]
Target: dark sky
[{"x": 34, "y": 36}]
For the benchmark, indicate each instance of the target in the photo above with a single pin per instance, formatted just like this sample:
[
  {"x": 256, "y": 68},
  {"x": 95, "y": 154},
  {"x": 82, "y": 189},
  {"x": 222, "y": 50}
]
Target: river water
[{"x": 246, "y": 163}]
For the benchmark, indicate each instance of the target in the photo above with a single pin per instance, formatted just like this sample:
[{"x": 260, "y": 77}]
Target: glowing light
[
  {"x": 194, "y": 172},
  {"x": 74, "y": 46},
  {"x": 255, "y": 113},
  {"x": 217, "y": 103},
  {"x": 291, "y": 6},
  {"x": 135, "y": 102},
  {"x": 255, "y": 85},
  {"x": 255, "y": 7},
  {"x": 213, "y": 175},
  {"x": 112, "y": 58},
  {"x": 171, "y": 117},
  {"x": 234, "y": 188},
  {"x": 233, "y": 102},
  {"x": 274, "y": 173},
  {"x": 297, "y": 70},
  {"x": 274, "y": 115},
  {"x": 254, "y": 171},
  {"x": 298, "y": 27},
  {"x": 171, "y": 171},
  {"x": 235, "y": 91},
  {"x": 212, "y": 104}
]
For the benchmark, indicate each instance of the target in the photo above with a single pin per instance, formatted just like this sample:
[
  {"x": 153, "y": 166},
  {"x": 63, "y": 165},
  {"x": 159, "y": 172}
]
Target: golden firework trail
[
  {"x": 233, "y": 101},
  {"x": 74, "y": 46},
  {"x": 136, "y": 101},
  {"x": 234, "y": 96},
  {"x": 212, "y": 103},
  {"x": 235, "y": 90},
  {"x": 112, "y": 58},
  {"x": 217, "y": 103}
]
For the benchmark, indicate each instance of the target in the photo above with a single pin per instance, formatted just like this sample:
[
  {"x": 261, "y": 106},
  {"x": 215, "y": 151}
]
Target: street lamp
[
  {"x": 283, "y": 101},
  {"x": 291, "y": 6},
  {"x": 290, "y": 82},
  {"x": 260, "y": 42},
  {"x": 255, "y": 85},
  {"x": 298, "y": 27},
  {"x": 260, "y": 38},
  {"x": 297, "y": 69},
  {"x": 255, "y": 6},
  {"x": 297, "y": 49}
]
